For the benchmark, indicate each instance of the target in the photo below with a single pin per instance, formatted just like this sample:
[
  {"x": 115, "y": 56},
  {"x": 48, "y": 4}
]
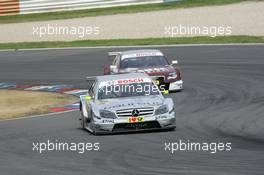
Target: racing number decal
[{"x": 135, "y": 119}]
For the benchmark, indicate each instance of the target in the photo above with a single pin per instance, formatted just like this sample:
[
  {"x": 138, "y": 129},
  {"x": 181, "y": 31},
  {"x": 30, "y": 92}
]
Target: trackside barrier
[
  {"x": 9, "y": 7},
  {"x": 16, "y": 7}
]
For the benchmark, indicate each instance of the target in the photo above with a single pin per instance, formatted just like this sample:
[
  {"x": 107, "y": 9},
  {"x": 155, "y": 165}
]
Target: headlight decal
[
  {"x": 107, "y": 114},
  {"x": 172, "y": 75},
  {"x": 172, "y": 110},
  {"x": 162, "y": 109}
]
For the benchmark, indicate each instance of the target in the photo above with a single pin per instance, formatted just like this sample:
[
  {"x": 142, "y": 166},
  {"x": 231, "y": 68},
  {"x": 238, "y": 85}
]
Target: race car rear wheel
[{"x": 95, "y": 133}]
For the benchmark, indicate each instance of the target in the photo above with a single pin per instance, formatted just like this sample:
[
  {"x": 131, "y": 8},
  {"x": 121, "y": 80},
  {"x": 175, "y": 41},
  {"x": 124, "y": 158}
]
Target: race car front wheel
[{"x": 83, "y": 122}]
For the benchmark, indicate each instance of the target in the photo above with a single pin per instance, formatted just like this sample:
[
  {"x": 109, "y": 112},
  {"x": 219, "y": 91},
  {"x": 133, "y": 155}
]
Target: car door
[{"x": 91, "y": 93}]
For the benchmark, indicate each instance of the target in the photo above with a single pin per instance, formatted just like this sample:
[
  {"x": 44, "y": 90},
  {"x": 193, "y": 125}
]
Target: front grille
[
  {"x": 128, "y": 112},
  {"x": 122, "y": 127}
]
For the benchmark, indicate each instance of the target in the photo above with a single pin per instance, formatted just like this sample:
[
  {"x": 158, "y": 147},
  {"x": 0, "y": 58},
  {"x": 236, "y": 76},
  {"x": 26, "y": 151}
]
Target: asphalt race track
[{"x": 223, "y": 101}]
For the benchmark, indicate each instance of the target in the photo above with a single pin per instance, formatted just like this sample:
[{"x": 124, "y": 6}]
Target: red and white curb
[{"x": 62, "y": 89}]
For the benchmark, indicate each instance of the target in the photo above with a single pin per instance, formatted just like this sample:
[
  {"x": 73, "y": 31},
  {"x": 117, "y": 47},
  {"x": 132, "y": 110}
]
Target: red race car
[{"x": 151, "y": 62}]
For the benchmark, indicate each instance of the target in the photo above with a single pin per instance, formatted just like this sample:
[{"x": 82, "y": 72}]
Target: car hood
[{"x": 126, "y": 103}]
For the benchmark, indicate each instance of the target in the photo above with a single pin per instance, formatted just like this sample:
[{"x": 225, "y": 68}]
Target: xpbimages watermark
[
  {"x": 189, "y": 30},
  {"x": 51, "y": 146},
  {"x": 148, "y": 89},
  {"x": 189, "y": 146},
  {"x": 79, "y": 31},
  {"x": 129, "y": 87}
]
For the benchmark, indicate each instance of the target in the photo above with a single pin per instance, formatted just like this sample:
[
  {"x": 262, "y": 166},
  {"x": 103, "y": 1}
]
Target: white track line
[{"x": 133, "y": 46}]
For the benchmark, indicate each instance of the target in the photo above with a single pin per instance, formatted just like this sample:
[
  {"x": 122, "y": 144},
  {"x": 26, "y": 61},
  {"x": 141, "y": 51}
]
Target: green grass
[
  {"x": 140, "y": 42},
  {"x": 112, "y": 10}
]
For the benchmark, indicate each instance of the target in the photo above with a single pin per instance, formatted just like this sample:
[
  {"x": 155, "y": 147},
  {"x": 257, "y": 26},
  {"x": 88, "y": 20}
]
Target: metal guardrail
[{"x": 16, "y": 7}]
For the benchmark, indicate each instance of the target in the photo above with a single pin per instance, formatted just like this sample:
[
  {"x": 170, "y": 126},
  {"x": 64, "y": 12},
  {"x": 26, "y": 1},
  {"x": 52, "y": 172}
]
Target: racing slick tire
[{"x": 83, "y": 122}]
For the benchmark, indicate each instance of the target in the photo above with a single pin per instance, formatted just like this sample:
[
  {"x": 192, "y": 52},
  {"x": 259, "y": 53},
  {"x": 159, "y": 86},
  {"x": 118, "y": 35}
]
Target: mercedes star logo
[{"x": 135, "y": 113}]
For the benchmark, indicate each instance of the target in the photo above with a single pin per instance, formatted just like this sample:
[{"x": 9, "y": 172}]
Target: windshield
[
  {"x": 147, "y": 61},
  {"x": 128, "y": 90}
]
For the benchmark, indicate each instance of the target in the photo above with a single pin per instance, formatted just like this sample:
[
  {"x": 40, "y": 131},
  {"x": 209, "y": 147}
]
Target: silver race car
[{"x": 125, "y": 103}]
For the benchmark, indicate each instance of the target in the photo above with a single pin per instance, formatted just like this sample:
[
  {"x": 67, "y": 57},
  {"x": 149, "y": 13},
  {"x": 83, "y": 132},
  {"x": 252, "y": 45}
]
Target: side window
[
  {"x": 92, "y": 90},
  {"x": 90, "y": 85},
  {"x": 116, "y": 60}
]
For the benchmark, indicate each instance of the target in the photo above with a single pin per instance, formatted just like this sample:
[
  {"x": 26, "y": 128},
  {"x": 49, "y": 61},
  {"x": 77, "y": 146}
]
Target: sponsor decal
[
  {"x": 161, "y": 117},
  {"x": 150, "y": 70},
  {"x": 125, "y": 81},
  {"x": 130, "y": 81},
  {"x": 107, "y": 121},
  {"x": 142, "y": 55},
  {"x": 148, "y": 54},
  {"x": 135, "y": 119}
]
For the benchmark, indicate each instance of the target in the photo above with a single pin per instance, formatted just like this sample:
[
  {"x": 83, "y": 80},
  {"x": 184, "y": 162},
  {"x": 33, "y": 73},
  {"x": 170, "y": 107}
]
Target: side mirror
[
  {"x": 174, "y": 62},
  {"x": 113, "y": 68},
  {"x": 165, "y": 92},
  {"x": 88, "y": 98}
]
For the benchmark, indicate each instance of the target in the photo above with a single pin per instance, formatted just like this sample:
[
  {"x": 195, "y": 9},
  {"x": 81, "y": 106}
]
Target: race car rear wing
[
  {"x": 90, "y": 78},
  {"x": 110, "y": 54}
]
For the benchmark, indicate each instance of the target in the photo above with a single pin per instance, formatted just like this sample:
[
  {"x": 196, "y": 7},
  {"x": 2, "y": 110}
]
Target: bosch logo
[
  {"x": 129, "y": 81},
  {"x": 135, "y": 113}
]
